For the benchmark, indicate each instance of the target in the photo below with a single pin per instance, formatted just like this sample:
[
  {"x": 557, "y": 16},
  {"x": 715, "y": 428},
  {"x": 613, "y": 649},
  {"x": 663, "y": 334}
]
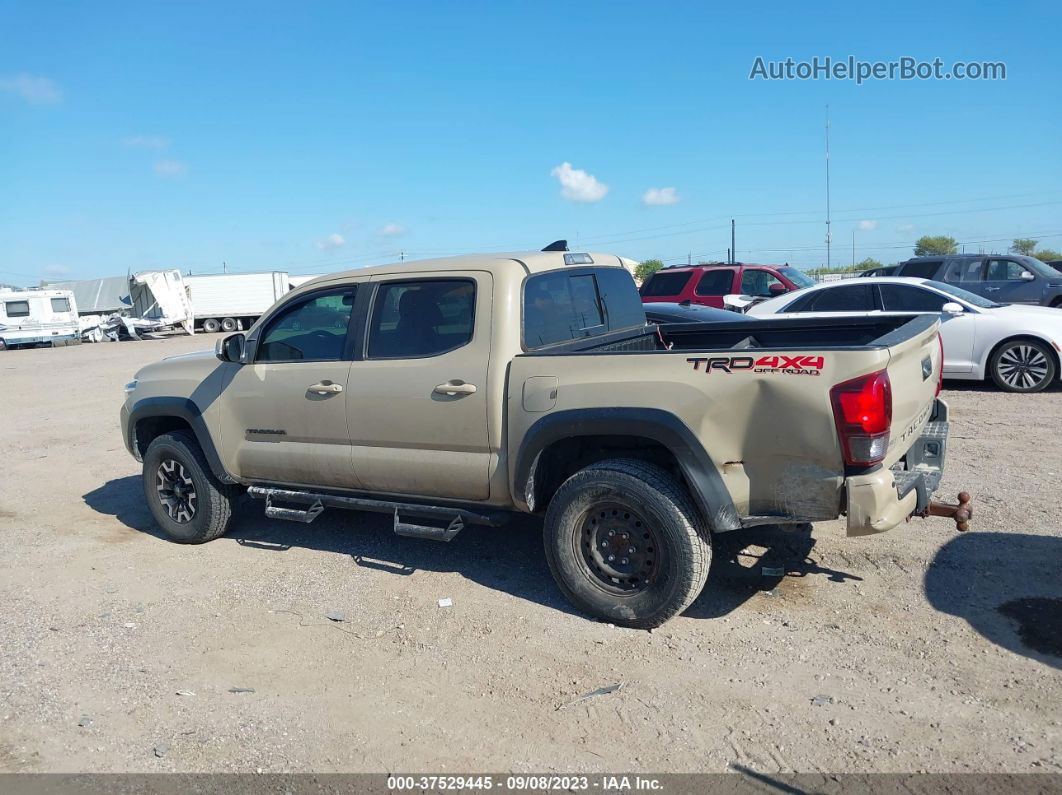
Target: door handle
[
  {"x": 455, "y": 387},
  {"x": 325, "y": 389},
  {"x": 991, "y": 289}
]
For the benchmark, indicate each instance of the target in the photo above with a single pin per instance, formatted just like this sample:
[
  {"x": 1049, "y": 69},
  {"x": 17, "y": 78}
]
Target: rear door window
[
  {"x": 664, "y": 284},
  {"x": 921, "y": 270},
  {"x": 418, "y": 319},
  {"x": 716, "y": 282},
  {"x": 846, "y": 298},
  {"x": 60, "y": 304},
  {"x": 963, "y": 270},
  {"x": 904, "y": 298}
]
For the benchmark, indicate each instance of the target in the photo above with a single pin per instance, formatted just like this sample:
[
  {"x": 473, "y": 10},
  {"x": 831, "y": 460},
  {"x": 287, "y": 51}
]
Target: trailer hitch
[{"x": 961, "y": 513}]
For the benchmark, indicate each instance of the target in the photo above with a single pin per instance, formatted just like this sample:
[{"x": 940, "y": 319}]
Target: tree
[
  {"x": 928, "y": 245},
  {"x": 1048, "y": 255},
  {"x": 647, "y": 268},
  {"x": 869, "y": 263},
  {"x": 1023, "y": 245}
]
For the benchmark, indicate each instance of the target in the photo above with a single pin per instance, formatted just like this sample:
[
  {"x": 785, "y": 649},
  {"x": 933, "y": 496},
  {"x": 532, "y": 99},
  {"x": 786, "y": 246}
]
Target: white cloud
[
  {"x": 577, "y": 185},
  {"x": 391, "y": 230},
  {"x": 905, "y": 228},
  {"x": 332, "y": 242},
  {"x": 32, "y": 88},
  {"x": 170, "y": 168},
  {"x": 868, "y": 226},
  {"x": 146, "y": 141},
  {"x": 660, "y": 197}
]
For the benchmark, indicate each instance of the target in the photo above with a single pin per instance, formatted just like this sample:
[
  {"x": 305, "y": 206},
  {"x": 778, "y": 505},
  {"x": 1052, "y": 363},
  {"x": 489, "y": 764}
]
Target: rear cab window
[
  {"x": 666, "y": 284},
  {"x": 560, "y": 306}
]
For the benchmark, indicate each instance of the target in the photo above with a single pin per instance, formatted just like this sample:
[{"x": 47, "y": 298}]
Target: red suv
[{"x": 707, "y": 284}]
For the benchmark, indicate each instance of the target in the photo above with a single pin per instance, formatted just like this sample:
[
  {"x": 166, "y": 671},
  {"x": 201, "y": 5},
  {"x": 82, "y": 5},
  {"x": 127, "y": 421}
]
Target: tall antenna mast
[{"x": 827, "y": 187}]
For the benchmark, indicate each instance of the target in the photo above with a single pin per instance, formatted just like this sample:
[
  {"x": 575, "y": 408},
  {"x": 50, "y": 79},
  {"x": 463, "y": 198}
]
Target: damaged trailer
[{"x": 126, "y": 307}]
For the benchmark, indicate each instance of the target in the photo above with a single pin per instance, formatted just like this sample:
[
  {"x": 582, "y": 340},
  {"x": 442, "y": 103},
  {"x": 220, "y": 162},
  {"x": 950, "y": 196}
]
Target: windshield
[
  {"x": 966, "y": 296},
  {"x": 799, "y": 278},
  {"x": 1036, "y": 266}
]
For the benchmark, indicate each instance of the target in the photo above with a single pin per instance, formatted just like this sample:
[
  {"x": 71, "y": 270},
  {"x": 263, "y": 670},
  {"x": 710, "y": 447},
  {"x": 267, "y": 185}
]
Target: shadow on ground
[
  {"x": 509, "y": 559},
  {"x": 1006, "y": 585}
]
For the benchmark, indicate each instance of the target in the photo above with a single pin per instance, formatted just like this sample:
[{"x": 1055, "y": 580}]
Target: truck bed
[{"x": 777, "y": 335}]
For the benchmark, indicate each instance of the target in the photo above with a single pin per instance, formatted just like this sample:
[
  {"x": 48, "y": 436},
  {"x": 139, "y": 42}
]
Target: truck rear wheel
[
  {"x": 229, "y": 324},
  {"x": 188, "y": 502},
  {"x": 626, "y": 544},
  {"x": 211, "y": 325}
]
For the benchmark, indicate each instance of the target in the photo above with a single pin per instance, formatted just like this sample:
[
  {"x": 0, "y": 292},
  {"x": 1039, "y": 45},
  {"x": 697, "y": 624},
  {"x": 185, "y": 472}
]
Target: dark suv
[
  {"x": 1004, "y": 278},
  {"x": 707, "y": 284}
]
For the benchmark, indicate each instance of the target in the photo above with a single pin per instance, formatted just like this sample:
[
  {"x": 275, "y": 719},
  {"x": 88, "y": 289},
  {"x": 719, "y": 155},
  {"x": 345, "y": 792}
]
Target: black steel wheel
[
  {"x": 621, "y": 549},
  {"x": 626, "y": 544}
]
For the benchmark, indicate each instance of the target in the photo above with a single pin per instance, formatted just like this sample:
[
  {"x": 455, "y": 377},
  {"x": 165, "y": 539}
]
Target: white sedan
[{"x": 1016, "y": 346}]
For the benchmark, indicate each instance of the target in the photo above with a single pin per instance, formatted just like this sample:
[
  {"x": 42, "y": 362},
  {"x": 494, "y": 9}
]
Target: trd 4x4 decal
[{"x": 793, "y": 365}]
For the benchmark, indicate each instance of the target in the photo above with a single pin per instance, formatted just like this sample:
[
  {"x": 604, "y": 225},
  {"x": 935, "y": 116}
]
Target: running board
[{"x": 455, "y": 518}]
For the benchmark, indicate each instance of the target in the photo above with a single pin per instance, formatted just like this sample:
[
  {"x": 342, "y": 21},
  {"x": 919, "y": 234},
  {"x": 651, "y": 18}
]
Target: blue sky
[{"x": 318, "y": 136}]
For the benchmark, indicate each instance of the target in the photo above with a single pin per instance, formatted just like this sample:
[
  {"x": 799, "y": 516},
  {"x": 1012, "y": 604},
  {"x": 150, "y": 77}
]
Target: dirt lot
[{"x": 917, "y": 650}]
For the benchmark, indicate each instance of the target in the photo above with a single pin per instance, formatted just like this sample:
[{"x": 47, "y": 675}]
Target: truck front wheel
[
  {"x": 626, "y": 544},
  {"x": 188, "y": 502}
]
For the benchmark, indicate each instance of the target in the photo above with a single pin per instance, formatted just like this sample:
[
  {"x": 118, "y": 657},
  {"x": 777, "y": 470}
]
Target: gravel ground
[{"x": 920, "y": 649}]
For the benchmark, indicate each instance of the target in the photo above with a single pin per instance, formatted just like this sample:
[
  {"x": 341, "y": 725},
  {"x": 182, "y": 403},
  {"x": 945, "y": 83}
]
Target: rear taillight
[
  {"x": 862, "y": 409},
  {"x": 940, "y": 380}
]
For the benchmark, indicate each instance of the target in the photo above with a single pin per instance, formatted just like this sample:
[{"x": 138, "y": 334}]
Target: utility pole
[
  {"x": 827, "y": 187},
  {"x": 224, "y": 267},
  {"x": 853, "y": 246},
  {"x": 689, "y": 259},
  {"x": 733, "y": 245},
  {"x": 401, "y": 256}
]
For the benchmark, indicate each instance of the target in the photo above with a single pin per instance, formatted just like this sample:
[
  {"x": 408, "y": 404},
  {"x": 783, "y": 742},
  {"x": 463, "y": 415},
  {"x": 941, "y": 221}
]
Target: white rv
[
  {"x": 35, "y": 317},
  {"x": 233, "y": 301}
]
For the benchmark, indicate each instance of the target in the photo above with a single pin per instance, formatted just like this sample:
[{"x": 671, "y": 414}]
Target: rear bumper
[{"x": 881, "y": 500}]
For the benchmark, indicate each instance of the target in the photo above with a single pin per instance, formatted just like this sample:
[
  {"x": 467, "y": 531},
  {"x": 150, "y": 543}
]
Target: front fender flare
[{"x": 182, "y": 408}]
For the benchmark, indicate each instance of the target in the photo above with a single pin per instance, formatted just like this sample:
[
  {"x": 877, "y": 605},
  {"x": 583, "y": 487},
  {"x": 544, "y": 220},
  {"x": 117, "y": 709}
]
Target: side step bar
[{"x": 455, "y": 518}]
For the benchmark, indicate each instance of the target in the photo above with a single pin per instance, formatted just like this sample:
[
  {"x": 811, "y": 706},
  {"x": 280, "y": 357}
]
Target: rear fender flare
[{"x": 701, "y": 474}]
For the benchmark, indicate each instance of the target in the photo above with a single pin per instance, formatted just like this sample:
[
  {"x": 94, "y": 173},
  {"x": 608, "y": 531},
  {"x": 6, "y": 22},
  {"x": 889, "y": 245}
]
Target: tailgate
[{"x": 914, "y": 372}]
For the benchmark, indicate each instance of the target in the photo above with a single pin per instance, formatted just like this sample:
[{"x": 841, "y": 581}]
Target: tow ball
[{"x": 961, "y": 513}]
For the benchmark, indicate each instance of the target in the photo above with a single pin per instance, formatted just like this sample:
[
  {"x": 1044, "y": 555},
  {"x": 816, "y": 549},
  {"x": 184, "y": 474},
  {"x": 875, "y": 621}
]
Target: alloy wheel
[
  {"x": 1022, "y": 366},
  {"x": 176, "y": 491}
]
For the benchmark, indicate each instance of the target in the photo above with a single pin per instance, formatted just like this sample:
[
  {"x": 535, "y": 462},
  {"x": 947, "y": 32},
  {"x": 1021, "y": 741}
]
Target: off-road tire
[
  {"x": 659, "y": 500},
  {"x": 211, "y": 325},
  {"x": 214, "y": 500},
  {"x": 1019, "y": 350}
]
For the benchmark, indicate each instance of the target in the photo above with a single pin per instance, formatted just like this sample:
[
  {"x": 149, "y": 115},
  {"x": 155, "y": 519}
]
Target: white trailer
[
  {"x": 233, "y": 301},
  {"x": 36, "y": 317}
]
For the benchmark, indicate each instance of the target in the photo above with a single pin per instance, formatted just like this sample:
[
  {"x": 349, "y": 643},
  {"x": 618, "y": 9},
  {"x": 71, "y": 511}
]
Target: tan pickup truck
[{"x": 459, "y": 390}]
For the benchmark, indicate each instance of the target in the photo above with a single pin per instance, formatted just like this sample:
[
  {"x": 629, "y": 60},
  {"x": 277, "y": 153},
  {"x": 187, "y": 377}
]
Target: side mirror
[
  {"x": 1027, "y": 277},
  {"x": 952, "y": 308},
  {"x": 230, "y": 348},
  {"x": 777, "y": 288}
]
